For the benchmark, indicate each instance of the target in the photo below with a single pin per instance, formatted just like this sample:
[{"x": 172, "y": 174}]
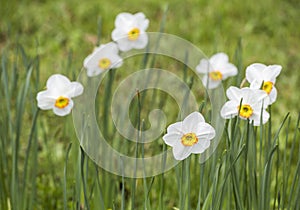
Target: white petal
[
  {"x": 103, "y": 51},
  {"x": 139, "y": 15},
  {"x": 205, "y": 80},
  {"x": 206, "y": 132},
  {"x": 255, "y": 119},
  {"x": 234, "y": 93},
  {"x": 175, "y": 128},
  {"x": 109, "y": 51},
  {"x": 75, "y": 89},
  {"x": 262, "y": 96},
  {"x": 209, "y": 83},
  {"x": 257, "y": 115},
  {"x": 218, "y": 59},
  {"x": 266, "y": 116},
  {"x": 248, "y": 96},
  {"x": 200, "y": 147},
  {"x": 64, "y": 111},
  {"x": 117, "y": 61},
  {"x": 266, "y": 101},
  {"x": 271, "y": 72},
  {"x": 273, "y": 95},
  {"x": 123, "y": 19},
  {"x": 112, "y": 48},
  {"x": 142, "y": 22},
  {"x": 141, "y": 42},
  {"x": 118, "y": 34},
  {"x": 57, "y": 84},
  {"x": 45, "y": 100},
  {"x": 86, "y": 60},
  {"x": 254, "y": 71},
  {"x": 94, "y": 72},
  {"x": 229, "y": 109},
  {"x": 124, "y": 44},
  {"x": 204, "y": 66},
  {"x": 172, "y": 139},
  {"x": 256, "y": 84},
  {"x": 228, "y": 70},
  {"x": 181, "y": 152},
  {"x": 190, "y": 121},
  {"x": 254, "y": 96}
]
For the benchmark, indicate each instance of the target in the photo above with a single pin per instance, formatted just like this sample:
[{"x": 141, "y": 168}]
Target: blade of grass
[
  {"x": 83, "y": 177},
  {"x": 133, "y": 184},
  {"x": 15, "y": 188},
  {"x": 65, "y": 177},
  {"x": 228, "y": 172},
  {"x": 162, "y": 180},
  {"x": 201, "y": 177},
  {"x": 265, "y": 186},
  {"x": 28, "y": 151}
]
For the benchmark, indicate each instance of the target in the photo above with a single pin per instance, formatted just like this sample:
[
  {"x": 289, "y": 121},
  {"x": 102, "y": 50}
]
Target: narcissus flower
[
  {"x": 58, "y": 95},
  {"x": 129, "y": 31},
  {"x": 246, "y": 103},
  {"x": 216, "y": 69},
  {"x": 192, "y": 135},
  {"x": 263, "y": 77},
  {"x": 103, "y": 58}
]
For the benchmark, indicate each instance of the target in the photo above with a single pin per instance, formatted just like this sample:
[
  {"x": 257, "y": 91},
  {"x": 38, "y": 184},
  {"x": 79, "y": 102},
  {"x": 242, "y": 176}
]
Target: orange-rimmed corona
[
  {"x": 267, "y": 87},
  {"x": 245, "y": 111},
  {"x": 134, "y": 34},
  {"x": 215, "y": 75},
  {"x": 189, "y": 139},
  {"x": 104, "y": 63},
  {"x": 61, "y": 102}
]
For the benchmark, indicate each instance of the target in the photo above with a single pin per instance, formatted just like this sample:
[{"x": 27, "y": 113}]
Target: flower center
[
  {"x": 134, "y": 34},
  {"x": 104, "y": 63},
  {"x": 246, "y": 111},
  {"x": 267, "y": 86},
  {"x": 189, "y": 139},
  {"x": 215, "y": 75},
  {"x": 61, "y": 102}
]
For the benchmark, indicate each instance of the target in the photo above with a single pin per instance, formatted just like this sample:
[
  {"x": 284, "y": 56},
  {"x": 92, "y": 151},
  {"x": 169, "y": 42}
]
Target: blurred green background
[{"x": 270, "y": 31}]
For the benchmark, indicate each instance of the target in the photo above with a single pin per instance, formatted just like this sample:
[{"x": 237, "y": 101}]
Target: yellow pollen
[
  {"x": 61, "y": 102},
  {"x": 104, "y": 63},
  {"x": 215, "y": 75},
  {"x": 189, "y": 139},
  {"x": 246, "y": 111},
  {"x": 134, "y": 34},
  {"x": 267, "y": 86}
]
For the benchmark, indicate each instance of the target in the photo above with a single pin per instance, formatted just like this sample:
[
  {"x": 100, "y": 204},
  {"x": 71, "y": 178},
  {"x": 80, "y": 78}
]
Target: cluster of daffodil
[
  {"x": 248, "y": 102},
  {"x": 193, "y": 134},
  {"x": 251, "y": 102},
  {"x": 129, "y": 33}
]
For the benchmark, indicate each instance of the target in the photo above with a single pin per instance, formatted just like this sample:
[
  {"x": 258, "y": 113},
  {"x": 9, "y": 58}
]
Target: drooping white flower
[
  {"x": 192, "y": 135},
  {"x": 246, "y": 103},
  {"x": 216, "y": 69},
  {"x": 104, "y": 57},
  {"x": 263, "y": 77},
  {"x": 129, "y": 31},
  {"x": 58, "y": 95}
]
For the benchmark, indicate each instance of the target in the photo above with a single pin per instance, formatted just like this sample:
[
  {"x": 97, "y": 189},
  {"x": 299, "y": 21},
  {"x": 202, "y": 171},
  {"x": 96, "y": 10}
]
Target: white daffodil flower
[
  {"x": 263, "y": 77},
  {"x": 216, "y": 69},
  {"x": 104, "y": 57},
  {"x": 129, "y": 31},
  {"x": 192, "y": 135},
  {"x": 58, "y": 95},
  {"x": 246, "y": 103}
]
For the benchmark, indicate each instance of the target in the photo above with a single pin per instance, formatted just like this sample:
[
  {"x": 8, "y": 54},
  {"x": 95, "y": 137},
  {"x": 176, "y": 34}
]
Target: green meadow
[{"x": 43, "y": 166}]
